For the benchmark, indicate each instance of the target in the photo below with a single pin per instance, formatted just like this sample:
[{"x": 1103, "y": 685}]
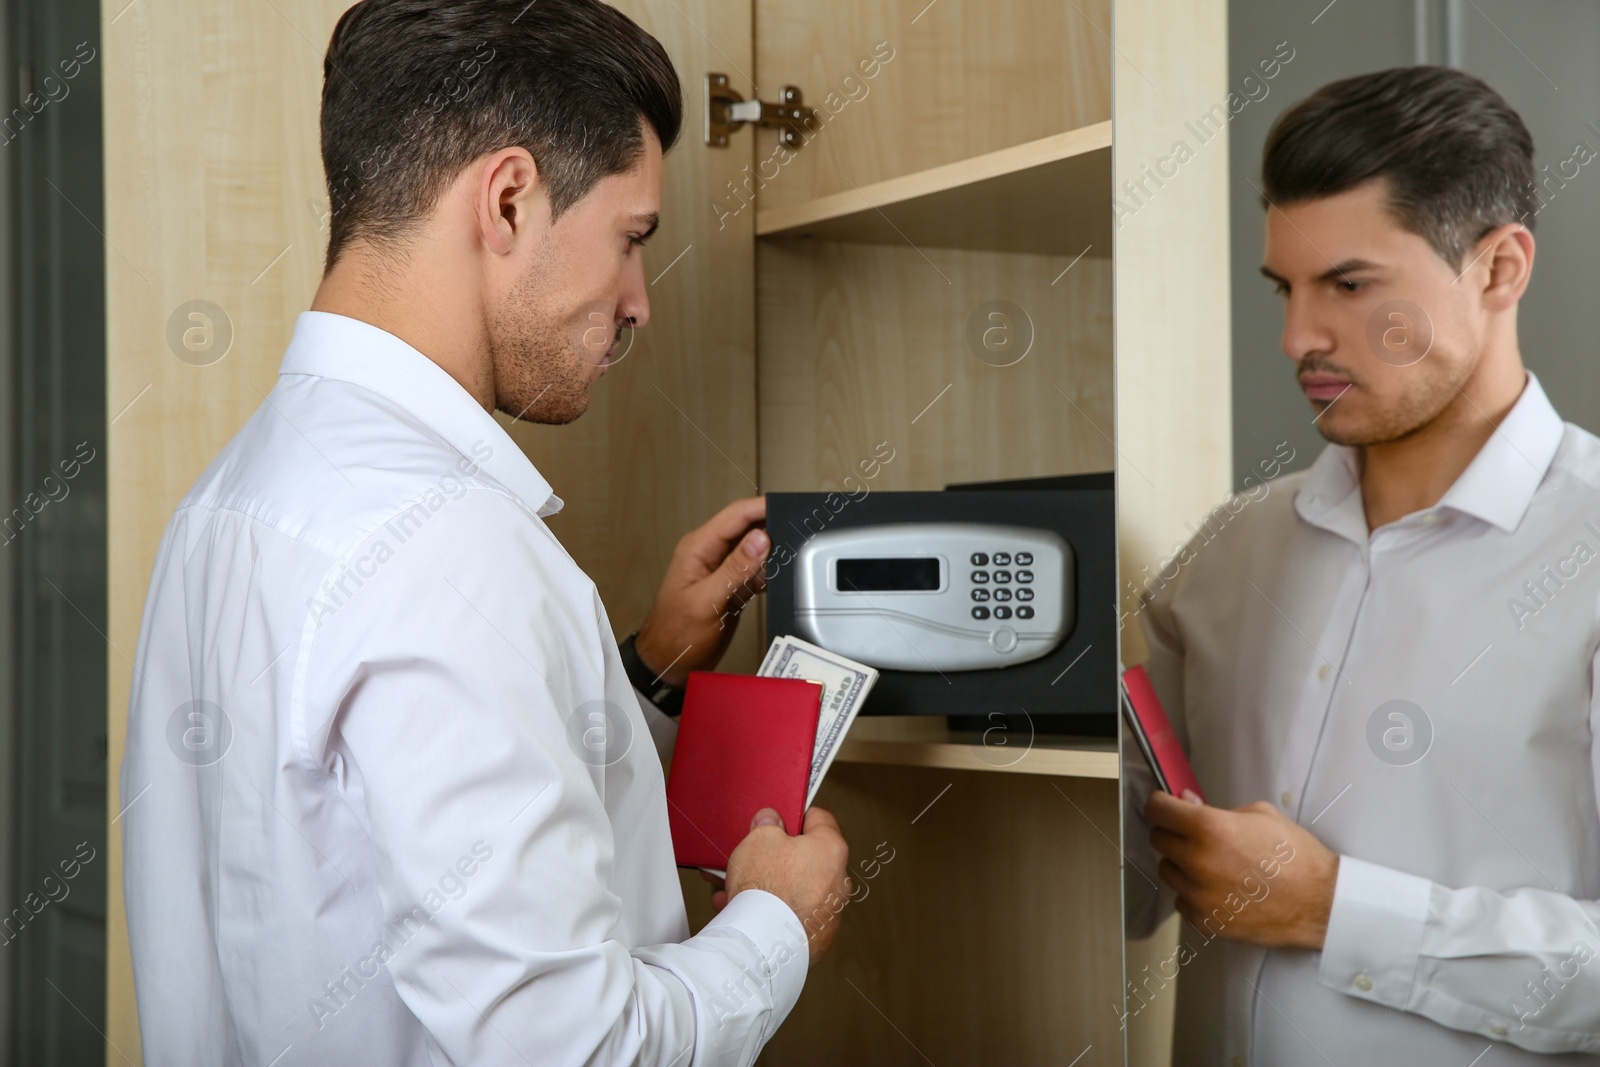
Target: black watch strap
[{"x": 668, "y": 698}]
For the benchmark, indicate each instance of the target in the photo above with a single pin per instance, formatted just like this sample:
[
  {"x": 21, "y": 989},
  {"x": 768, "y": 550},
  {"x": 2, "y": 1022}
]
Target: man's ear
[
  {"x": 511, "y": 203},
  {"x": 1504, "y": 266}
]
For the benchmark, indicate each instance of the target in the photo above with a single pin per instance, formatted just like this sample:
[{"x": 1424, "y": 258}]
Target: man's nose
[
  {"x": 1302, "y": 333},
  {"x": 634, "y": 307}
]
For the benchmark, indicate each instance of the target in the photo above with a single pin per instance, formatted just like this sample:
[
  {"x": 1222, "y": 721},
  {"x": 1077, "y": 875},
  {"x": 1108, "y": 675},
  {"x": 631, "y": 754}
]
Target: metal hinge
[{"x": 726, "y": 111}]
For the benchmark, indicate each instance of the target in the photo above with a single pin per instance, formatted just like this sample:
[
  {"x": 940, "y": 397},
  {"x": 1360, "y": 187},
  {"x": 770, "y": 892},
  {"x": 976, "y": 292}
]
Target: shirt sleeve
[
  {"x": 1518, "y": 966},
  {"x": 478, "y": 679}
]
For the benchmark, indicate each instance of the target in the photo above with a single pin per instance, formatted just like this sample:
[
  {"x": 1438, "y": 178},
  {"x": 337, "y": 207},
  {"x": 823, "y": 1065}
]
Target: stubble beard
[
  {"x": 539, "y": 376},
  {"x": 1405, "y": 414}
]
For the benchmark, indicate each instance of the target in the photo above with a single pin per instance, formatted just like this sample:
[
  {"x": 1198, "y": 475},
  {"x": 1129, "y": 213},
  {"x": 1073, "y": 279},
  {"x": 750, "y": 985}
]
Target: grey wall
[
  {"x": 1541, "y": 55},
  {"x": 1554, "y": 82}
]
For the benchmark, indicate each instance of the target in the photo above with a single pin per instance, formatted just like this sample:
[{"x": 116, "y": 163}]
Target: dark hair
[
  {"x": 415, "y": 90},
  {"x": 1458, "y": 159}
]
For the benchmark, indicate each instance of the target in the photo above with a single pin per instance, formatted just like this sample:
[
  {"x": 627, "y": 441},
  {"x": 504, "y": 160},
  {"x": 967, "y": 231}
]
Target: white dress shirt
[
  {"x": 1465, "y": 912},
  {"x": 390, "y": 798}
]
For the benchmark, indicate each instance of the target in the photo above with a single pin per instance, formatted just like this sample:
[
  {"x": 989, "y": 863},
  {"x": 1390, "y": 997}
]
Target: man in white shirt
[
  {"x": 1384, "y": 668},
  {"x": 389, "y": 795}
]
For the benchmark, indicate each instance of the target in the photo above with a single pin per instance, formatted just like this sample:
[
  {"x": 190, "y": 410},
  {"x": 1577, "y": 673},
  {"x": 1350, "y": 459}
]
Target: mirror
[{"x": 1292, "y": 691}]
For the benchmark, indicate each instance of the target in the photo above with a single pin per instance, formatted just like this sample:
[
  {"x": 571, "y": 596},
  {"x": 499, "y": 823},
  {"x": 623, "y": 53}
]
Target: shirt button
[
  {"x": 1286, "y": 799},
  {"x": 1364, "y": 982},
  {"x": 1498, "y": 1029},
  {"x": 1323, "y": 671}
]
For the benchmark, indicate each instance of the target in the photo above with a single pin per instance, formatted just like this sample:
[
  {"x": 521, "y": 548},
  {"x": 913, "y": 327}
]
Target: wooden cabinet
[
  {"x": 973, "y": 169},
  {"x": 808, "y": 305}
]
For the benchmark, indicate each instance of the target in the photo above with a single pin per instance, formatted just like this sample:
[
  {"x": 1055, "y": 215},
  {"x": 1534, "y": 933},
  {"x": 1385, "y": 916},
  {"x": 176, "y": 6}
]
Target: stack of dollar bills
[{"x": 845, "y": 685}]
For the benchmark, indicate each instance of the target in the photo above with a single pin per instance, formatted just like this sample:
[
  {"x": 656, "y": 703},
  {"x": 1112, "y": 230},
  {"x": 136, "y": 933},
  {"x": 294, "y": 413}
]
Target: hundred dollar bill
[{"x": 845, "y": 684}]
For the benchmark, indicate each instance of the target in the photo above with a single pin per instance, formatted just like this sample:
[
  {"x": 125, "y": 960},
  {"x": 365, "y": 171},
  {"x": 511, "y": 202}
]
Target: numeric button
[
  {"x": 980, "y": 559},
  {"x": 1024, "y": 593},
  {"x": 1002, "y": 594},
  {"x": 980, "y": 594},
  {"x": 1002, "y": 558},
  {"x": 1002, "y": 612},
  {"x": 1024, "y": 559},
  {"x": 980, "y": 577},
  {"x": 1024, "y": 576}
]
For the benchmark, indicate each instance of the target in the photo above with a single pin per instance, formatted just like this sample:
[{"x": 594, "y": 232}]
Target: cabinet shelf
[
  {"x": 927, "y": 742},
  {"x": 1050, "y": 196}
]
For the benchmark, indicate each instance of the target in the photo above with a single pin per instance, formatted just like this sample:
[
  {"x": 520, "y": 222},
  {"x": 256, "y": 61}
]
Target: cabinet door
[{"x": 986, "y": 928}]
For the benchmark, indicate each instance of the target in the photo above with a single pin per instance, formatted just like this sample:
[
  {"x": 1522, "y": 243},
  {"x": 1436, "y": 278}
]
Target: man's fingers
[
  {"x": 738, "y": 516},
  {"x": 1163, "y": 840},
  {"x": 711, "y": 541},
  {"x": 1174, "y": 847},
  {"x": 1176, "y": 878},
  {"x": 740, "y": 576},
  {"x": 1167, "y": 811}
]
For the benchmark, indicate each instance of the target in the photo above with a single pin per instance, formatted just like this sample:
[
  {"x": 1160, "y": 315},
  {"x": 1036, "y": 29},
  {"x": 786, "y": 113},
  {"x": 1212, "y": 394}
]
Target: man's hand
[
  {"x": 805, "y": 872},
  {"x": 1251, "y": 874},
  {"x": 714, "y": 571}
]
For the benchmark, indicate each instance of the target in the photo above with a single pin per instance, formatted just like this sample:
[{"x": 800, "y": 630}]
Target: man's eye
[
  {"x": 635, "y": 241},
  {"x": 1347, "y": 286}
]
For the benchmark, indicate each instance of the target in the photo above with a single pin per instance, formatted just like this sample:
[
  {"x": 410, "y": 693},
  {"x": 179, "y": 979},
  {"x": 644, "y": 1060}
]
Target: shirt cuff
[
  {"x": 1375, "y": 932},
  {"x": 780, "y": 940}
]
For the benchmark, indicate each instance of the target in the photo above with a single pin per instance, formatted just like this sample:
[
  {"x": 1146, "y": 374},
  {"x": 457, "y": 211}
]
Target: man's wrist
[
  {"x": 667, "y": 698},
  {"x": 1315, "y": 931}
]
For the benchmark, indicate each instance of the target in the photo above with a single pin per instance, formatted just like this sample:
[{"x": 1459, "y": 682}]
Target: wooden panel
[
  {"x": 1174, "y": 399},
  {"x": 925, "y": 741},
  {"x": 862, "y": 344},
  {"x": 992, "y": 937},
  {"x": 1174, "y": 410},
  {"x": 1047, "y": 196},
  {"x": 215, "y": 191},
  {"x": 966, "y": 77}
]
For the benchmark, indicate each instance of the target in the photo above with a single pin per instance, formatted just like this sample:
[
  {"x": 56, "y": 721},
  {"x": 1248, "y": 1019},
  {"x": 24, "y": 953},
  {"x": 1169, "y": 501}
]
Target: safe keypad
[{"x": 1003, "y": 590}]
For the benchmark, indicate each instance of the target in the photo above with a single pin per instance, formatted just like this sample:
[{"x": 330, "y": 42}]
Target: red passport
[
  {"x": 744, "y": 743},
  {"x": 1151, "y": 728}
]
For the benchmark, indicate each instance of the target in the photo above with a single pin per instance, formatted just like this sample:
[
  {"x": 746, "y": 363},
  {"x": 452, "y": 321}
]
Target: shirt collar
[
  {"x": 1497, "y": 486},
  {"x": 325, "y": 345}
]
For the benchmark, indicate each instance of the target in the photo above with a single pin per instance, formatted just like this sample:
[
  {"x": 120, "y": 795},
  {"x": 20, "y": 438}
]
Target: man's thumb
[
  {"x": 740, "y": 574},
  {"x": 767, "y": 817}
]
